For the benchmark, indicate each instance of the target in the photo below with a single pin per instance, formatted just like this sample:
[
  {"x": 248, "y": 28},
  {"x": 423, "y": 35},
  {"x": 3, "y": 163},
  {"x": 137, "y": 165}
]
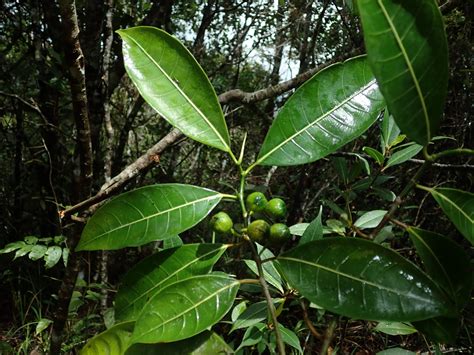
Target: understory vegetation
[{"x": 236, "y": 177}]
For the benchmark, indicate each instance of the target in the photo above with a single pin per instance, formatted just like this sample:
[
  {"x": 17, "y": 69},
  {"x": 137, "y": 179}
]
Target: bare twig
[
  {"x": 308, "y": 321},
  {"x": 275, "y": 90}
]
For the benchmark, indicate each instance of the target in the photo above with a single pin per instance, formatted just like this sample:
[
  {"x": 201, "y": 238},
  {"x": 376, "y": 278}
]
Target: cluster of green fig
[{"x": 258, "y": 230}]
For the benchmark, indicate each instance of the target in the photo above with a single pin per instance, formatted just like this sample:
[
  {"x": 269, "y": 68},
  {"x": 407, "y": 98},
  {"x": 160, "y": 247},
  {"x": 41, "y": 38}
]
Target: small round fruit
[
  {"x": 276, "y": 208},
  {"x": 258, "y": 230},
  {"x": 279, "y": 233},
  {"x": 256, "y": 202},
  {"x": 221, "y": 222}
]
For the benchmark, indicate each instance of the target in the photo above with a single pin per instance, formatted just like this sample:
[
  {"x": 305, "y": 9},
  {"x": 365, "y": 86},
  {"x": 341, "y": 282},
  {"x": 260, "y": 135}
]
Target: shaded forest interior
[{"x": 74, "y": 131}]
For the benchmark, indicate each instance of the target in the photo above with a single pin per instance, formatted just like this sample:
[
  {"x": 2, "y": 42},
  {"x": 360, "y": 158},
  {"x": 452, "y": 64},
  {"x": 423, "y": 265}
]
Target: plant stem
[
  {"x": 452, "y": 152},
  {"x": 268, "y": 298},
  {"x": 241, "y": 194}
]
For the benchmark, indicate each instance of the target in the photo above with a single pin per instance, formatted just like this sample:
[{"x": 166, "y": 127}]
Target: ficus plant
[{"x": 169, "y": 301}]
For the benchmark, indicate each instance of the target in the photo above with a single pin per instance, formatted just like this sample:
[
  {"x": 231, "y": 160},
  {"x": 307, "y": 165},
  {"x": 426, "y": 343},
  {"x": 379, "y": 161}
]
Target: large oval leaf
[
  {"x": 443, "y": 259},
  {"x": 146, "y": 214},
  {"x": 152, "y": 274},
  {"x": 335, "y": 106},
  {"x": 204, "y": 343},
  {"x": 113, "y": 341},
  {"x": 407, "y": 50},
  {"x": 173, "y": 83},
  {"x": 361, "y": 279},
  {"x": 185, "y": 308},
  {"x": 458, "y": 205}
]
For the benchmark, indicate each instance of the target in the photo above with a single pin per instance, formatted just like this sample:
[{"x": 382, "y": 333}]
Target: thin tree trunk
[{"x": 74, "y": 61}]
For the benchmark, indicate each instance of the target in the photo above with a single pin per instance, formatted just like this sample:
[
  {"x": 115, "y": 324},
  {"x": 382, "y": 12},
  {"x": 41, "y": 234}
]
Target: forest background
[{"x": 74, "y": 128}]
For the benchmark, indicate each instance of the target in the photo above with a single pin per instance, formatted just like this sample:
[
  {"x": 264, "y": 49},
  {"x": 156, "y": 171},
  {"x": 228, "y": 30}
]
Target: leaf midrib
[
  {"x": 410, "y": 68},
  {"x": 197, "y": 304},
  {"x": 133, "y": 301},
  {"x": 208, "y": 198},
  {"x": 409, "y": 295},
  {"x": 453, "y": 204},
  {"x": 324, "y": 115},
  {"x": 174, "y": 84}
]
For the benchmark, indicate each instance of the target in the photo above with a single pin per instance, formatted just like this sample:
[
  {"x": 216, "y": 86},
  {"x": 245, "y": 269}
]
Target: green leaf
[
  {"x": 314, "y": 230},
  {"x": 407, "y": 49},
  {"x": 403, "y": 155},
  {"x": 37, "y": 252},
  {"x": 25, "y": 249},
  {"x": 443, "y": 259},
  {"x": 238, "y": 310},
  {"x": 440, "y": 329},
  {"x": 185, "y": 308},
  {"x": 173, "y": 83},
  {"x": 458, "y": 205},
  {"x": 270, "y": 273},
  {"x": 340, "y": 165},
  {"x": 173, "y": 242},
  {"x": 12, "y": 247},
  {"x": 157, "y": 271},
  {"x": 375, "y": 154},
  {"x": 204, "y": 343},
  {"x": 290, "y": 338},
  {"x": 335, "y": 106},
  {"x": 113, "y": 341},
  {"x": 52, "y": 256},
  {"x": 298, "y": 229},
  {"x": 42, "y": 325},
  {"x": 395, "y": 328},
  {"x": 146, "y": 214},
  {"x": 253, "y": 335},
  {"x": 370, "y": 219},
  {"x": 390, "y": 131},
  {"x": 361, "y": 279},
  {"x": 31, "y": 239},
  {"x": 254, "y": 314}
]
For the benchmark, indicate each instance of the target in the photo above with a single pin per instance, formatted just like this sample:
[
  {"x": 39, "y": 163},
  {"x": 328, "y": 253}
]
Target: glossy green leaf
[
  {"x": 335, "y": 106},
  {"x": 147, "y": 214},
  {"x": 314, "y": 231},
  {"x": 113, "y": 341},
  {"x": 360, "y": 279},
  {"x": 157, "y": 271},
  {"x": 458, "y": 205},
  {"x": 375, "y": 154},
  {"x": 395, "y": 328},
  {"x": 443, "y": 259},
  {"x": 440, "y": 329},
  {"x": 270, "y": 273},
  {"x": 205, "y": 343},
  {"x": 402, "y": 155},
  {"x": 185, "y": 308},
  {"x": 173, "y": 83},
  {"x": 370, "y": 219},
  {"x": 407, "y": 49},
  {"x": 238, "y": 310}
]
